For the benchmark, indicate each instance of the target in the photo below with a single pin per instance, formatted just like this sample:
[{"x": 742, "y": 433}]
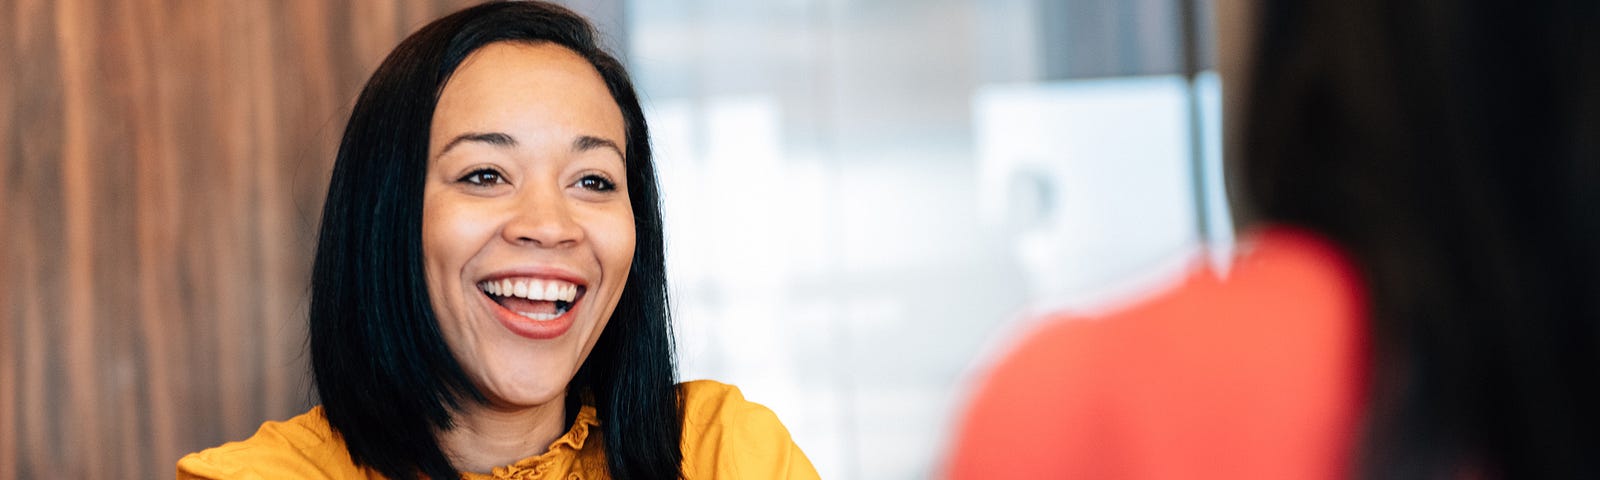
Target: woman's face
[{"x": 527, "y": 231}]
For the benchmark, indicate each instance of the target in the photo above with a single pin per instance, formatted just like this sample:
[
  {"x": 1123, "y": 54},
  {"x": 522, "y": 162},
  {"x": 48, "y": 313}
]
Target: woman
[
  {"x": 1417, "y": 300},
  {"x": 488, "y": 296}
]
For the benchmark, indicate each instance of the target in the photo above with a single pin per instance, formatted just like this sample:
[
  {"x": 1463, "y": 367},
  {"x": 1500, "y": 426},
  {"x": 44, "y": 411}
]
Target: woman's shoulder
[
  {"x": 708, "y": 402},
  {"x": 1269, "y": 350},
  {"x": 728, "y": 436},
  {"x": 1286, "y": 285},
  {"x": 301, "y": 447},
  {"x": 1290, "y": 307}
]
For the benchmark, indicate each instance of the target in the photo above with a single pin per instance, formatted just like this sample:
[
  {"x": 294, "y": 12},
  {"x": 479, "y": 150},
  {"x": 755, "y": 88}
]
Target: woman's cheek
[
  {"x": 464, "y": 225},
  {"x": 619, "y": 240},
  {"x": 453, "y": 232}
]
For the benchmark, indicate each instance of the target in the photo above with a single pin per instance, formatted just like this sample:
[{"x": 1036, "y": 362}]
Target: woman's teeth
[
  {"x": 542, "y": 317},
  {"x": 560, "y": 294},
  {"x": 531, "y": 289}
]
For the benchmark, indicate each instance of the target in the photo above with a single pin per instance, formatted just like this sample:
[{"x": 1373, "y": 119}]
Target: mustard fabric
[{"x": 724, "y": 437}]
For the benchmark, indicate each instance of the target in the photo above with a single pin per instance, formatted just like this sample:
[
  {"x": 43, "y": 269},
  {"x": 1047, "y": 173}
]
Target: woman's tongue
[{"x": 523, "y": 305}]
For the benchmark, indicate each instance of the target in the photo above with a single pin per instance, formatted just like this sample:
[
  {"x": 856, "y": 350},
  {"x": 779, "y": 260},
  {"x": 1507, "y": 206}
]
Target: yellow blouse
[{"x": 724, "y": 436}]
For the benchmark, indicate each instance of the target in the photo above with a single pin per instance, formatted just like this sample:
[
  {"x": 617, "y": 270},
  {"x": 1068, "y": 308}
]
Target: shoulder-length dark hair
[
  {"x": 1453, "y": 150},
  {"x": 386, "y": 379}
]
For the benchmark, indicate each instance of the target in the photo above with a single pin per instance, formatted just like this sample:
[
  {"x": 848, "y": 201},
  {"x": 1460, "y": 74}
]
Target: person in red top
[
  {"x": 1418, "y": 295},
  {"x": 1206, "y": 380}
]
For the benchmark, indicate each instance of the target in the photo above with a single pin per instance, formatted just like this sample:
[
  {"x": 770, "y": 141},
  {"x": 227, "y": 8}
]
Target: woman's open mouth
[{"x": 537, "y": 299}]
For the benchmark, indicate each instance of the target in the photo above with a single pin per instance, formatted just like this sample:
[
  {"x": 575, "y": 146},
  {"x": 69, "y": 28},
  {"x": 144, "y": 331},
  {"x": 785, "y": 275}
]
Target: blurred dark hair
[
  {"x": 386, "y": 378},
  {"x": 1453, "y": 150}
]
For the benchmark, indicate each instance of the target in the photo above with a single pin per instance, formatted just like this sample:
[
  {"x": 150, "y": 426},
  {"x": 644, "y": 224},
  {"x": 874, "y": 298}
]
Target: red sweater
[{"x": 1256, "y": 375}]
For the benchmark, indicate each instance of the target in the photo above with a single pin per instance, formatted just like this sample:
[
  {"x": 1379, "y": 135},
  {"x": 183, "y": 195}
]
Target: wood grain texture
[{"x": 162, "y": 169}]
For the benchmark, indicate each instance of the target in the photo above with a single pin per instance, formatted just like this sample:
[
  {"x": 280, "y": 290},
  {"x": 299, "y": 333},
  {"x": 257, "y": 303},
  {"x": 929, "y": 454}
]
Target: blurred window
[{"x": 862, "y": 198}]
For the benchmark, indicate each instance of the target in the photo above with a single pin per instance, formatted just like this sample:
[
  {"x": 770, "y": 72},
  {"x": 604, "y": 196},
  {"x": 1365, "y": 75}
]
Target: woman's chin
[
  {"x": 525, "y": 394},
  {"x": 520, "y": 373}
]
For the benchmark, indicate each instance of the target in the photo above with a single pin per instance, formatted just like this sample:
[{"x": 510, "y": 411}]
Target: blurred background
[{"x": 865, "y": 200}]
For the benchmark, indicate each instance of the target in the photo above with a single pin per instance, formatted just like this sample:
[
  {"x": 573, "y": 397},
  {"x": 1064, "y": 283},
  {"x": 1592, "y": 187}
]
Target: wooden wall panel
[{"x": 162, "y": 168}]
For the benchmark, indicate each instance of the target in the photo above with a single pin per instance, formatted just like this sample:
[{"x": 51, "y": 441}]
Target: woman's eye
[
  {"x": 483, "y": 177},
  {"x": 596, "y": 183}
]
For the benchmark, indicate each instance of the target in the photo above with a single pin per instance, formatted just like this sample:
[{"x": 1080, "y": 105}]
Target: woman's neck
[{"x": 488, "y": 436}]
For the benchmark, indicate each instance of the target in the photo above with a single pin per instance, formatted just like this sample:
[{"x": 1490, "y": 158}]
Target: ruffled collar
[{"x": 562, "y": 452}]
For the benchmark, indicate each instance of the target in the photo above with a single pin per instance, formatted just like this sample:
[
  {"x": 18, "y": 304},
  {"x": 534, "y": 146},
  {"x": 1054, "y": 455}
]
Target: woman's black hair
[
  {"x": 1453, "y": 150},
  {"x": 387, "y": 381}
]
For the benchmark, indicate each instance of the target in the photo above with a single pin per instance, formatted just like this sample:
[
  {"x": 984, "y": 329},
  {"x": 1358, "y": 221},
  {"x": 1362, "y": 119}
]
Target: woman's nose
[{"x": 543, "y": 219}]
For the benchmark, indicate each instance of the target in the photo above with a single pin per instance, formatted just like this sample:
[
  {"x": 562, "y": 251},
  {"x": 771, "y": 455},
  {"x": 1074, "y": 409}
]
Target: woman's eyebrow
[
  {"x": 581, "y": 144},
  {"x": 492, "y": 138},
  {"x": 588, "y": 142}
]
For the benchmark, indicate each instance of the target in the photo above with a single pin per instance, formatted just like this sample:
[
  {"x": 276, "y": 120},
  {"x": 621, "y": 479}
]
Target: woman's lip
[
  {"x": 550, "y": 273},
  {"x": 529, "y": 328}
]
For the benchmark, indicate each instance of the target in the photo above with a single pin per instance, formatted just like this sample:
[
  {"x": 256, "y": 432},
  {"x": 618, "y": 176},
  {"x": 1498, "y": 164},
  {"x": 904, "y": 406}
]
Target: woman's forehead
[{"x": 534, "y": 92}]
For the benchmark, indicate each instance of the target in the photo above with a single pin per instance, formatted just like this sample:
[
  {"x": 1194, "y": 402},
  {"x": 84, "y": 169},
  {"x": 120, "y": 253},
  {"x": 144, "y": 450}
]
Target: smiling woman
[{"x": 489, "y": 294}]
